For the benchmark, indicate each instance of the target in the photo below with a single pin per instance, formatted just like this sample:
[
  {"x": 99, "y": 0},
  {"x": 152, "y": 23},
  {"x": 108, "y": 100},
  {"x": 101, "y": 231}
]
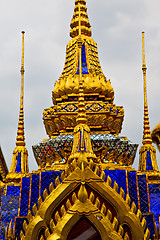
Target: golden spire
[
  {"x": 82, "y": 147},
  {"x": 146, "y": 133},
  {"x": 20, "y": 132},
  {"x": 19, "y": 165},
  {"x": 80, "y": 21},
  {"x": 81, "y": 106},
  {"x": 147, "y": 161}
]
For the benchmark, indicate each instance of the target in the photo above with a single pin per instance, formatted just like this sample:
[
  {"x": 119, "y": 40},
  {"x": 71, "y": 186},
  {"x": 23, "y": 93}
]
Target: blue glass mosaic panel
[
  {"x": 148, "y": 161},
  {"x": 18, "y": 166},
  {"x": 19, "y": 226},
  {"x": 150, "y": 223},
  {"x": 84, "y": 62},
  {"x": 24, "y": 196},
  {"x": 9, "y": 207},
  {"x": 132, "y": 186},
  {"x": 98, "y": 140},
  {"x": 47, "y": 178},
  {"x": 119, "y": 176},
  {"x": 154, "y": 195},
  {"x": 81, "y": 142},
  {"x": 142, "y": 184},
  {"x": 34, "y": 190}
]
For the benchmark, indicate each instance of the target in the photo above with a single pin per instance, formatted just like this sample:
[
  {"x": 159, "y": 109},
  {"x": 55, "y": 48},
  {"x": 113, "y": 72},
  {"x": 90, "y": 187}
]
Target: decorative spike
[
  {"x": 103, "y": 175},
  {"x": 6, "y": 232},
  {"x": 39, "y": 202},
  {"x": 42, "y": 238},
  {"x": 47, "y": 233},
  {"x": 34, "y": 209},
  {"x": 115, "y": 224},
  {"x": 121, "y": 230},
  {"x": 91, "y": 197},
  {"x": 20, "y": 153},
  {"x": 126, "y": 237},
  {"x": 103, "y": 209},
  {"x": 20, "y": 132},
  {"x": 51, "y": 187},
  {"x": 133, "y": 207},
  {"x": 52, "y": 225},
  {"x": 82, "y": 193},
  {"x": 139, "y": 214},
  {"x": 74, "y": 197},
  {"x": 109, "y": 215},
  {"x": 109, "y": 181},
  {"x": 63, "y": 176},
  {"x": 97, "y": 203},
  {"x": 29, "y": 216},
  {"x": 68, "y": 204},
  {"x": 96, "y": 171},
  {"x": 147, "y": 234},
  {"x": 45, "y": 194},
  {"x": 143, "y": 223},
  {"x": 57, "y": 181},
  {"x": 57, "y": 217},
  {"x": 10, "y": 230},
  {"x": 128, "y": 199},
  {"x": 121, "y": 193},
  {"x": 115, "y": 186},
  {"x": 146, "y": 133},
  {"x": 147, "y": 150},
  {"x": 63, "y": 210},
  {"x": 25, "y": 225},
  {"x": 21, "y": 235},
  {"x": 91, "y": 164}
]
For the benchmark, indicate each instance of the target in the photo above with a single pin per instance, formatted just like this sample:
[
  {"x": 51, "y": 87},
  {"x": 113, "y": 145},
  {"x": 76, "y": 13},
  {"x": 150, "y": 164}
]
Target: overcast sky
[{"x": 116, "y": 27}]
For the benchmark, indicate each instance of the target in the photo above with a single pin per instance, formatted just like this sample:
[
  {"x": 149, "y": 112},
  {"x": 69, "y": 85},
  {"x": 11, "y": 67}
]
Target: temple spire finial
[
  {"x": 82, "y": 147},
  {"x": 146, "y": 133},
  {"x": 80, "y": 23},
  {"x": 19, "y": 165},
  {"x": 20, "y": 132},
  {"x": 147, "y": 159}
]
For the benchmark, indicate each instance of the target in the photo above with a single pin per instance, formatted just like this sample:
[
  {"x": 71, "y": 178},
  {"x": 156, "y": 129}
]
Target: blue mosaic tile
[
  {"x": 148, "y": 161},
  {"x": 154, "y": 195},
  {"x": 81, "y": 142},
  {"x": 25, "y": 196},
  {"x": 132, "y": 186},
  {"x": 150, "y": 224},
  {"x": 142, "y": 184},
  {"x": 9, "y": 207},
  {"x": 34, "y": 190},
  {"x": 19, "y": 226},
  {"x": 119, "y": 176},
  {"x": 48, "y": 177},
  {"x": 84, "y": 62},
  {"x": 18, "y": 166}
]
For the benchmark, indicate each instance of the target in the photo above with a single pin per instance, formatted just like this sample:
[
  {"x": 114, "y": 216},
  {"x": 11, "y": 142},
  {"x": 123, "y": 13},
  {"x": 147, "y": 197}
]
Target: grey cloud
[{"x": 116, "y": 27}]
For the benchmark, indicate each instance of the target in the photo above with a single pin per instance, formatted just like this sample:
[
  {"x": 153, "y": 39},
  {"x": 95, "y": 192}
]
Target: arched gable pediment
[{"x": 83, "y": 193}]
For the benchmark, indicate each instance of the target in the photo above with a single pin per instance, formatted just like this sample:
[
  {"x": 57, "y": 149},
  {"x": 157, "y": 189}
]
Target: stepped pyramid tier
[{"x": 101, "y": 113}]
